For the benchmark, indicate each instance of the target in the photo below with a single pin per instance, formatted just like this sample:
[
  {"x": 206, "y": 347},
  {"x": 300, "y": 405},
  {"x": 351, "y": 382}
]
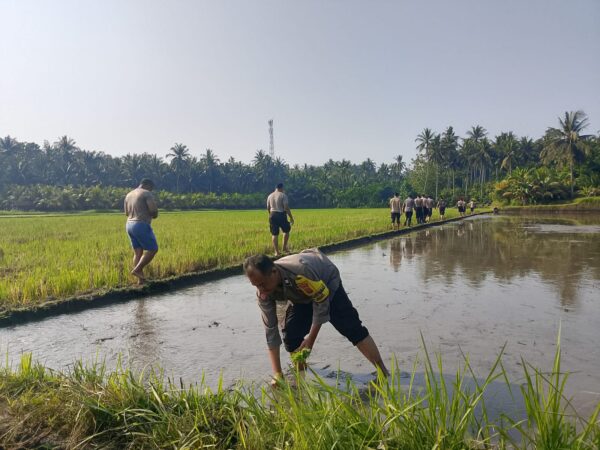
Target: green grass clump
[
  {"x": 89, "y": 407},
  {"x": 46, "y": 257},
  {"x": 301, "y": 356}
]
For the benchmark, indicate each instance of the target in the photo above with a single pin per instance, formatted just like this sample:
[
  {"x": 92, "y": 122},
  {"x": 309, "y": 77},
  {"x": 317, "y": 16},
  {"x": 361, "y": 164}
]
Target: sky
[{"x": 340, "y": 78}]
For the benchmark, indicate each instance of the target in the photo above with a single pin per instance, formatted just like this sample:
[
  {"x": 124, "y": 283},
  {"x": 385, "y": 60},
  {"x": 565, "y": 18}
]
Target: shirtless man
[
  {"x": 140, "y": 208},
  {"x": 395, "y": 204}
]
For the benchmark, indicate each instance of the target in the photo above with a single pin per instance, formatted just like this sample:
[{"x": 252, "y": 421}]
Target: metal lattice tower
[{"x": 272, "y": 142}]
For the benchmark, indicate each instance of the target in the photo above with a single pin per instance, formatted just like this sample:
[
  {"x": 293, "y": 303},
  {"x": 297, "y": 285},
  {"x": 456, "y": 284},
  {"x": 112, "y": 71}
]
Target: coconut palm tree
[
  {"x": 566, "y": 145},
  {"x": 508, "y": 147},
  {"x": 181, "y": 156},
  {"x": 210, "y": 164},
  {"x": 425, "y": 140}
]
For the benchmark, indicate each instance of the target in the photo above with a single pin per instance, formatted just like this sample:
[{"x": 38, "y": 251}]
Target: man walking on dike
[
  {"x": 462, "y": 206},
  {"x": 407, "y": 209},
  {"x": 419, "y": 208},
  {"x": 442, "y": 208},
  {"x": 279, "y": 210},
  {"x": 429, "y": 205},
  {"x": 395, "y": 210},
  {"x": 140, "y": 209},
  {"x": 472, "y": 206},
  {"x": 312, "y": 286}
]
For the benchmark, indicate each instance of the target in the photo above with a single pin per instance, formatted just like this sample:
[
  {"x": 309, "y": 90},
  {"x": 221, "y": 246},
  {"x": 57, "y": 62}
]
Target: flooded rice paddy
[{"x": 469, "y": 287}]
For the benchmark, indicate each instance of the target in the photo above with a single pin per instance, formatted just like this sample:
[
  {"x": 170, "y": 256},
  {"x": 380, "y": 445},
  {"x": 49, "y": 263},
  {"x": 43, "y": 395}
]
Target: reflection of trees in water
[{"x": 505, "y": 248}]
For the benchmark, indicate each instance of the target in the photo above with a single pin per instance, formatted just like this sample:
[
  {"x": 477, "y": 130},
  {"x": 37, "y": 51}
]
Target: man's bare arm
[{"x": 152, "y": 207}]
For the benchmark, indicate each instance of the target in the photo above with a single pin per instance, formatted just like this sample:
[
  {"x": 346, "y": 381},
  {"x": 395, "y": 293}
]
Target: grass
[
  {"x": 581, "y": 204},
  {"x": 44, "y": 257},
  {"x": 90, "y": 408}
]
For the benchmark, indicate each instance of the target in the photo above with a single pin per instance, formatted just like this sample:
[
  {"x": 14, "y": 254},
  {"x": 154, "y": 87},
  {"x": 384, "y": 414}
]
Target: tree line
[{"x": 62, "y": 176}]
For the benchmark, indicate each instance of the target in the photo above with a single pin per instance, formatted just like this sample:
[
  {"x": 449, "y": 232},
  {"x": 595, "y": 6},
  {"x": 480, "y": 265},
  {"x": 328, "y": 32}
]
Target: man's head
[
  {"x": 280, "y": 186},
  {"x": 262, "y": 273},
  {"x": 396, "y": 194},
  {"x": 147, "y": 184}
]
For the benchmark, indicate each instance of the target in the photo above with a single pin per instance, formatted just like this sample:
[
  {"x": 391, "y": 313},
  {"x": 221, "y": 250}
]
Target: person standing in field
[
  {"x": 472, "y": 206},
  {"x": 395, "y": 207},
  {"x": 140, "y": 208},
  {"x": 461, "y": 205},
  {"x": 442, "y": 208},
  {"x": 279, "y": 211},
  {"x": 312, "y": 287},
  {"x": 407, "y": 209}
]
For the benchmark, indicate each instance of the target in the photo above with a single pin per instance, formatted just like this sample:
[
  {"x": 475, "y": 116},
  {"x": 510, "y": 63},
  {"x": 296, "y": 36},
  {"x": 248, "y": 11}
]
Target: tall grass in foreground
[
  {"x": 90, "y": 408},
  {"x": 53, "y": 257}
]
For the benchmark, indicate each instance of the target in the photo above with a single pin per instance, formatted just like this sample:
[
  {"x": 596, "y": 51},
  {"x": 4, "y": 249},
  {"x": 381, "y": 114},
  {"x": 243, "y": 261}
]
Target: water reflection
[{"x": 506, "y": 248}]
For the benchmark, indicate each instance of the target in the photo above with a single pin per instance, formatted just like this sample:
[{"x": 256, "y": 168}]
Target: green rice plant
[
  {"x": 90, "y": 407},
  {"x": 52, "y": 257}
]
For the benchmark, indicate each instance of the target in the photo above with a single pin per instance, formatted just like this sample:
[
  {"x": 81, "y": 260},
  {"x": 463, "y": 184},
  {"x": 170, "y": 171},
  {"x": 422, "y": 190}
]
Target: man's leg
[
  {"x": 286, "y": 237},
  {"x": 275, "y": 240},
  {"x": 369, "y": 349},
  {"x": 138, "y": 270},
  {"x": 345, "y": 319},
  {"x": 137, "y": 255}
]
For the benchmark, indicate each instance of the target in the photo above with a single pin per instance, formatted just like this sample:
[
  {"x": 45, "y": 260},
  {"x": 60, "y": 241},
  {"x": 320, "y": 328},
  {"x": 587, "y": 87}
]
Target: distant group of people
[{"x": 422, "y": 206}]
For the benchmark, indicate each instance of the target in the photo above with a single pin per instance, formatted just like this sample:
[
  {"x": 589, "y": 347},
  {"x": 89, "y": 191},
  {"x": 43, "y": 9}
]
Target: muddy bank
[{"x": 156, "y": 287}]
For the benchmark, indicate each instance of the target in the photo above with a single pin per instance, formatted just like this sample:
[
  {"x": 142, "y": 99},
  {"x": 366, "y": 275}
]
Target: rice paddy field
[{"x": 53, "y": 257}]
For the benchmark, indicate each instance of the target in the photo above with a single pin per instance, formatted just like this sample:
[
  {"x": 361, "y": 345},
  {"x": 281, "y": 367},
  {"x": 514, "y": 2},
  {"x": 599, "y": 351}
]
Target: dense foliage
[{"x": 62, "y": 176}]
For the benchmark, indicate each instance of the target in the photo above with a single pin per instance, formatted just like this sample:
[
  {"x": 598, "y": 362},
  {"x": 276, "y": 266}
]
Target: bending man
[{"x": 312, "y": 286}]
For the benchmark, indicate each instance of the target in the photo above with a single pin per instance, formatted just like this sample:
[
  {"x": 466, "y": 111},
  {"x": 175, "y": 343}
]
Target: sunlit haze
[{"x": 341, "y": 79}]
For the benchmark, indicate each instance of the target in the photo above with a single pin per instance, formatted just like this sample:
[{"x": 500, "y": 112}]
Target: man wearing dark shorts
[
  {"x": 140, "y": 209},
  {"x": 395, "y": 208},
  {"x": 310, "y": 284},
  {"x": 279, "y": 210},
  {"x": 419, "y": 208},
  {"x": 407, "y": 209},
  {"x": 442, "y": 207}
]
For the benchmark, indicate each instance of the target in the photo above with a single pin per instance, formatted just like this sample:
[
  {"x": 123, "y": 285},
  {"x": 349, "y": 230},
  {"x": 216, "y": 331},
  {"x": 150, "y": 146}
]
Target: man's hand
[
  {"x": 276, "y": 379},
  {"x": 306, "y": 343}
]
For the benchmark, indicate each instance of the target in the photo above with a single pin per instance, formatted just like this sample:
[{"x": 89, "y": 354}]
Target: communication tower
[{"x": 272, "y": 142}]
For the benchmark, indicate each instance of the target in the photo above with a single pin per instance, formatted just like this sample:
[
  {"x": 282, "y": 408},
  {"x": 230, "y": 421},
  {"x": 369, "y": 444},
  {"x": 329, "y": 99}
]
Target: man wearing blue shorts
[{"x": 140, "y": 209}]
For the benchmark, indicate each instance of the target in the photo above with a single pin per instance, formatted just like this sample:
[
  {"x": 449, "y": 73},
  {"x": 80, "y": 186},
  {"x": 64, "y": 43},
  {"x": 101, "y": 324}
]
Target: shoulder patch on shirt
[{"x": 317, "y": 290}]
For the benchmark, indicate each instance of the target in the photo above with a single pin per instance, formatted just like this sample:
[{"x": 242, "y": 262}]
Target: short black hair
[
  {"x": 279, "y": 185},
  {"x": 396, "y": 194},
  {"x": 147, "y": 182},
  {"x": 262, "y": 263}
]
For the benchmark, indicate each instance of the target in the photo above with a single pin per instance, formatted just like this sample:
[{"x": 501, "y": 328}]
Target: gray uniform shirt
[
  {"x": 308, "y": 277},
  {"x": 277, "y": 201},
  {"x": 409, "y": 204}
]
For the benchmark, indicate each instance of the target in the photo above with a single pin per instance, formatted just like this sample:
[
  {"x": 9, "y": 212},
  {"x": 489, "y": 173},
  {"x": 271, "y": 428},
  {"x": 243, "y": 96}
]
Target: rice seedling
[{"x": 88, "y": 407}]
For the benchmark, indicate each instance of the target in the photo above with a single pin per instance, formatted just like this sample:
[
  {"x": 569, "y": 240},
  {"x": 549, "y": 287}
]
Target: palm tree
[
  {"x": 181, "y": 155},
  {"x": 210, "y": 164},
  {"x": 566, "y": 144},
  {"x": 425, "y": 140},
  {"x": 508, "y": 146},
  {"x": 398, "y": 167}
]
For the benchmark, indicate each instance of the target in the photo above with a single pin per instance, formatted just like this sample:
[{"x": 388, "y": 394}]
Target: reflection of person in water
[
  {"x": 312, "y": 286},
  {"x": 396, "y": 253}
]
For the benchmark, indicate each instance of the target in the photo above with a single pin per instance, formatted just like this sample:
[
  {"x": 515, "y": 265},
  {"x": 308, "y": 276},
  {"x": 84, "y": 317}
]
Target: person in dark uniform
[{"x": 312, "y": 287}]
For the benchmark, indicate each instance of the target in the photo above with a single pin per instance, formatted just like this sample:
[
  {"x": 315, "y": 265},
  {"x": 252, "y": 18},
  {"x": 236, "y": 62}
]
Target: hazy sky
[{"x": 341, "y": 79}]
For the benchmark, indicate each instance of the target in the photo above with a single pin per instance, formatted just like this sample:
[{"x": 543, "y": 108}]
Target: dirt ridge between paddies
[{"x": 100, "y": 299}]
